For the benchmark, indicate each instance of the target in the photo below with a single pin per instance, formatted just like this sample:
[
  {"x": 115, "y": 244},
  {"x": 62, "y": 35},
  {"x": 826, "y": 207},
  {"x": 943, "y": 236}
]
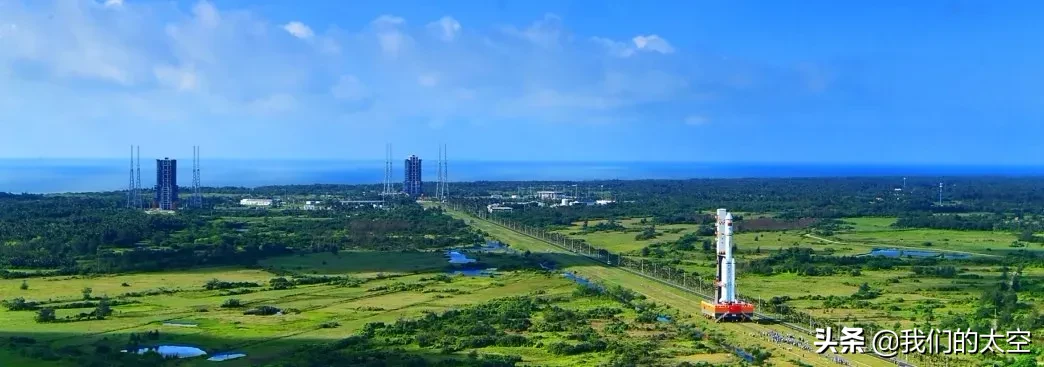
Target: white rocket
[{"x": 726, "y": 263}]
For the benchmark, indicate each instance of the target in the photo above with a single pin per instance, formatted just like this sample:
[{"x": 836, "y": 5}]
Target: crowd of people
[{"x": 794, "y": 341}]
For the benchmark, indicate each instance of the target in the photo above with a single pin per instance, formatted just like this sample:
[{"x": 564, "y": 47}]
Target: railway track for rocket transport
[{"x": 704, "y": 296}]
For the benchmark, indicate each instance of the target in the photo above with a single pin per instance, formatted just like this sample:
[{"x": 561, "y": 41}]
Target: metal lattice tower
[
  {"x": 445, "y": 173},
  {"x": 441, "y": 186},
  {"x": 388, "y": 185},
  {"x": 130, "y": 184},
  {"x": 139, "y": 201},
  {"x": 197, "y": 194},
  {"x": 438, "y": 184}
]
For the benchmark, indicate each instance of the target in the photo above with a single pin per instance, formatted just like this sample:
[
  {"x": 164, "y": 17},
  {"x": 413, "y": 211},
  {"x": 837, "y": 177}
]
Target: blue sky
[{"x": 949, "y": 82}]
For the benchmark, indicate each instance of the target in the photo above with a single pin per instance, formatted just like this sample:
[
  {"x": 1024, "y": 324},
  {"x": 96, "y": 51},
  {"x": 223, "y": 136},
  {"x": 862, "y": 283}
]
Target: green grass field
[
  {"x": 359, "y": 263},
  {"x": 688, "y": 304},
  {"x": 261, "y": 338},
  {"x": 618, "y": 241},
  {"x": 266, "y": 339}
]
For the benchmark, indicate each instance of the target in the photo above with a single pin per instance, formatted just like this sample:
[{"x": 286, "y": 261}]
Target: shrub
[{"x": 263, "y": 311}]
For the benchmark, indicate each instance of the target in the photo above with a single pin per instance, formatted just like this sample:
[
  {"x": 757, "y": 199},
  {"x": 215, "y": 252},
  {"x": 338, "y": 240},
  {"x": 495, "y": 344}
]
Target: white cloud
[
  {"x": 428, "y": 80},
  {"x": 618, "y": 49},
  {"x": 445, "y": 28},
  {"x": 299, "y": 30},
  {"x": 389, "y": 35},
  {"x": 272, "y": 104},
  {"x": 182, "y": 79},
  {"x": 206, "y": 14},
  {"x": 113, "y": 3},
  {"x": 388, "y": 20},
  {"x": 153, "y": 62},
  {"x": 349, "y": 88},
  {"x": 696, "y": 120},
  {"x": 547, "y": 32},
  {"x": 653, "y": 43}
]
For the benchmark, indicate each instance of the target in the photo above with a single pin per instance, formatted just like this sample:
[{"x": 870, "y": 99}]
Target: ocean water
[{"x": 77, "y": 175}]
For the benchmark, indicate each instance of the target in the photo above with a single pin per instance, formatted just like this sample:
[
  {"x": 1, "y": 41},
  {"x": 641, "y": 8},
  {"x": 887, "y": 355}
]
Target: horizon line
[{"x": 809, "y": 163}]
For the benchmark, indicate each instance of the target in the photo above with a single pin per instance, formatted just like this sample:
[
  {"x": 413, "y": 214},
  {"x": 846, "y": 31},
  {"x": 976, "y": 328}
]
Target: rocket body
[{"x": 726, "y": 263}]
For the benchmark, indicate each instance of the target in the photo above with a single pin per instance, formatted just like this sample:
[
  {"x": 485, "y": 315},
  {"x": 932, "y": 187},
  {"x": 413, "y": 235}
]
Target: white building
[
  {"x": 548, "y": 195},
  {"x": 491, "y": 208},
  {"x": 604, "y": 202},
  {"x": 256, "y": 202}
]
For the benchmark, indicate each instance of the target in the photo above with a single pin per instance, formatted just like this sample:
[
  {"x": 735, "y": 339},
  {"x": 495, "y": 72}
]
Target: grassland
[
  {"x": 687, "y": 303},
  {"x": 266, "y": 339},
  {"x": 261, "y": 338},
  {"x": 620, "y": 241},
  {"x": 902, "y": 289}
]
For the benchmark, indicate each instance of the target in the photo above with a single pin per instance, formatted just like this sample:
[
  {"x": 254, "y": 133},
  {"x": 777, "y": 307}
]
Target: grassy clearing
[
  {"x": 359, "y": 263},
  {"x": 982, "y": 242},
  {"x": 263, "y": 338},
  {"x": 619, "y": 241}
]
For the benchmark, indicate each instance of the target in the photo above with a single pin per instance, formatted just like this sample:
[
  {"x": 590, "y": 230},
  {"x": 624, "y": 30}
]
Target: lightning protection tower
[
  {"x": 197, "y": 193},
  {"x": 387, "y": 170},
  {"x": 139, "y": 201},
  {"x": 130, "y": 184},
  {"x": 441, "y": 187}
]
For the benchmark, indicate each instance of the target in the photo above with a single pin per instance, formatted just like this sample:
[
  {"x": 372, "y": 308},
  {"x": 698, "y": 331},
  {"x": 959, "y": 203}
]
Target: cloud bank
[{"x": 120, "y": 68}]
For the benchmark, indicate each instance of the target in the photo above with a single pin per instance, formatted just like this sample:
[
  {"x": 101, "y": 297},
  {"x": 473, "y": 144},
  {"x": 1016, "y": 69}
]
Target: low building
[
  {"x": 548, "y": 195},
  {"x": 604, "y": 202},
  {"x": 256, "y": 202},
  {"x": 494, "y": 208}
]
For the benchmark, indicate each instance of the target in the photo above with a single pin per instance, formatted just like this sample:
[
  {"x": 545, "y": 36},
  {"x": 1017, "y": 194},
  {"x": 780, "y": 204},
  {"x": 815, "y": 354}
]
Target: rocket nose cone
[{"x": 728, "y": 216}]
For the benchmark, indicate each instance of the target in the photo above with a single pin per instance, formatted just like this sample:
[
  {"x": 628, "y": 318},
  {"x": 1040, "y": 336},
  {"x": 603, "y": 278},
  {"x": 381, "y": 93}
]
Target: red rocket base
[{"x": 728, "y": 311}]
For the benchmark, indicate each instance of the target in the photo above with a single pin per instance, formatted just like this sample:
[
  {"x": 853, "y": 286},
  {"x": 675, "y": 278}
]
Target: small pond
[
  {"x": 580, "y": 280},
  {"x": 895, "y": 252},
  {"x": 179, "y": 351},
  {"x": 180, "y": 324},
  {"x": 220, "y": 357},
  {"x": 456, "y": 257}
]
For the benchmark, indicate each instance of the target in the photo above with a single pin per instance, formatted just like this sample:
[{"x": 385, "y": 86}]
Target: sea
[{"x": 93, "y": 175}]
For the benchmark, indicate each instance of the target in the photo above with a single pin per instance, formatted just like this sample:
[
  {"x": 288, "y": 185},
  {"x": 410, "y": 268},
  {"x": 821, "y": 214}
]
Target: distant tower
[
  {"x": 197, "y": 192},
  {"x": 130, "y": 185},
  {"x": 445, "y": 173},
  {"x": 940, "y": 193},
  {"x": 387, "y": 170},
  {"x": 412, "y": 185},
  {"x": 166, "y": 184},
  {"x": 440, "y": 189},
  {"x": 438, "y": 183},
  {"x": 904, "y": 184},
  {"x": 139, "y": 201}
]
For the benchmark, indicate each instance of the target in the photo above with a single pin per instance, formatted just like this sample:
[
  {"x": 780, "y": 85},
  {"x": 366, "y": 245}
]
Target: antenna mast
[
  {"x": 440, "y": 188},
  {"x": 138, "y": 200},
  {"x": 445, "y": 172},
  {"x": 130, "y": 184},
  {"x": 197, "y": 194},
  {"x": 387, "y": 169}
]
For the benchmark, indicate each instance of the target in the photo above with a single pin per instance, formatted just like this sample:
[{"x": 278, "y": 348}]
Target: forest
[
  {"x": 67, "y": 234},
  {"x": 983, "y": 202}
]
